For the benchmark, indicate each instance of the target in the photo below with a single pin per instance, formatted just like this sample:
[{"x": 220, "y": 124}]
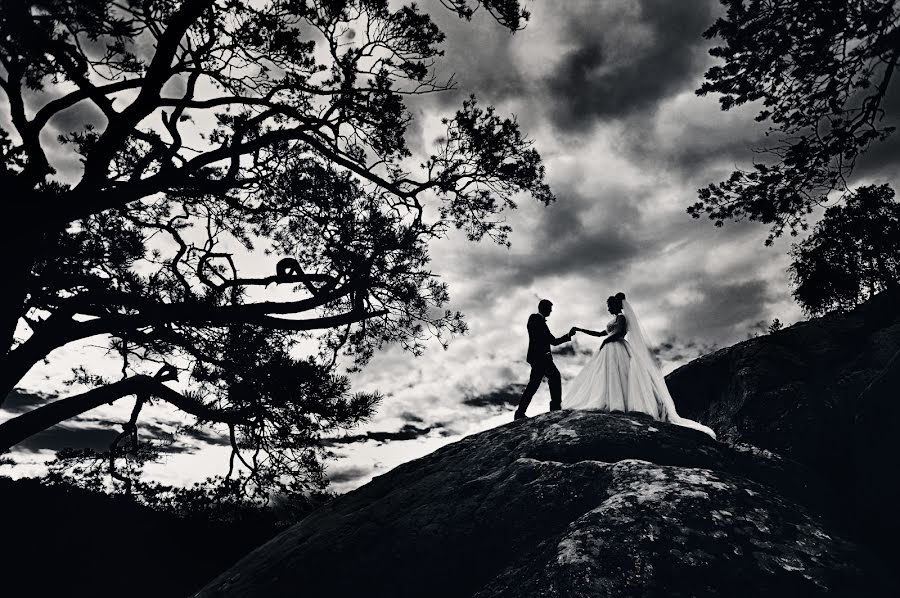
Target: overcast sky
[{"x": 605, "y": 88}]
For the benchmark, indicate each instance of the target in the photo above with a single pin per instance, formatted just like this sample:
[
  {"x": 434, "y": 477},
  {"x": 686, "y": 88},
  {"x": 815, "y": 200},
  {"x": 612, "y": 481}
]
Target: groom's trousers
[{"x": 540, "y": 369}]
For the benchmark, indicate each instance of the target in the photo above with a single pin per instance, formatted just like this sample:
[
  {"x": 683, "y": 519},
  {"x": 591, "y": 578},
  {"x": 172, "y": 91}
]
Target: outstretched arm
[
  {"x": 563, "y": 339},
  {"x": 590, "y": 332},
  {"x": 538, "y": 327}
]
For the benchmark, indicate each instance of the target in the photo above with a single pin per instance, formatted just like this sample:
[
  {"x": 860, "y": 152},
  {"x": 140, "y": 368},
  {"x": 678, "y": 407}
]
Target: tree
[
  {"x": 822, "y": 71},
  {"x": 208, "y": 131},
  {"x": 852, "y": 253}
]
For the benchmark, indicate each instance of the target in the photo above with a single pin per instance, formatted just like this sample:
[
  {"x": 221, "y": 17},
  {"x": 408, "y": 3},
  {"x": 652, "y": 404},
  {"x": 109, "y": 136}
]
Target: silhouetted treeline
[{"x": 66, "y": 541}]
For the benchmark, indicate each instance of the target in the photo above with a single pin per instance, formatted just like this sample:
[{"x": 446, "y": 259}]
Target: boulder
[
  {"x": 571, "y": 503},
  {"x": 876, "y": 451},
  {"x": 802, "y": 392}
]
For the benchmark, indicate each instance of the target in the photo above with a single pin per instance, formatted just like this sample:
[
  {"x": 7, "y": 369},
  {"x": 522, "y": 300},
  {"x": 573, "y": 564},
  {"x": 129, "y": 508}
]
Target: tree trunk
[
  {"x": 17, "y": 248},
  {"x": 19, "y": 428},
  {"x": 16, "y": 363},
  {"x": 17, "y": 266}
]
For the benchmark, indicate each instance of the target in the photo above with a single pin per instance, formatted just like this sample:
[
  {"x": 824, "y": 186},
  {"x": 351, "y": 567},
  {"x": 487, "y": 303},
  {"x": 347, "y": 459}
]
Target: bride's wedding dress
[{"x": 623, "y": 376}]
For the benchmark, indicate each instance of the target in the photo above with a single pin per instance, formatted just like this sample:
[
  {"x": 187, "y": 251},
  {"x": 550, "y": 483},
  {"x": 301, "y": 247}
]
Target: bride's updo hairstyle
[{"x": 614, "y": 303}]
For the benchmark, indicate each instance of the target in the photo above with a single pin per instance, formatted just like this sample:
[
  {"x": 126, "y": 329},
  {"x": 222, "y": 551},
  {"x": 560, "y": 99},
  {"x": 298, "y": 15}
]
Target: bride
[{"x": 622, "y": 375}]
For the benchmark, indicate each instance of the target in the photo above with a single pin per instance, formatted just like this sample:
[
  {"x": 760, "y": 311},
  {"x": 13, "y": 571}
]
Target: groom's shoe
[{"x": 519, "y": 415}]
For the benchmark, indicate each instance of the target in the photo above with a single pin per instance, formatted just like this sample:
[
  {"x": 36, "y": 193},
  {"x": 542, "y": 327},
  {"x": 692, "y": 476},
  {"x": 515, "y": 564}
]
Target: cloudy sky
[{"x": 605, "y": 88}]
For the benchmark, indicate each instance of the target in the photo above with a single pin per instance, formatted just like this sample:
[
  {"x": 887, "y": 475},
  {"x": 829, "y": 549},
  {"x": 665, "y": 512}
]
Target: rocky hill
[
  {"x": 570, "y": 504},
  {"x": 825, "y": 393},
  {"x": 797, "y": 499}
]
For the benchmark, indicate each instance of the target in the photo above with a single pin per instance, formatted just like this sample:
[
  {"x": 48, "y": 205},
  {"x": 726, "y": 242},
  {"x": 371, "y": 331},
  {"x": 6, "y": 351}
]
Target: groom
[{"x": 539, "y": 340}]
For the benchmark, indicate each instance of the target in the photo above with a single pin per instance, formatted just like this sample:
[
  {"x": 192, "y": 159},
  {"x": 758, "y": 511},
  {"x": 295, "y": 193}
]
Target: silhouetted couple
[{"x": 621, "y": 376}]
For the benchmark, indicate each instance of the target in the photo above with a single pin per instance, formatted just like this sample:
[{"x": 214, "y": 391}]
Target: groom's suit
[{"x": 539, "y": 341}]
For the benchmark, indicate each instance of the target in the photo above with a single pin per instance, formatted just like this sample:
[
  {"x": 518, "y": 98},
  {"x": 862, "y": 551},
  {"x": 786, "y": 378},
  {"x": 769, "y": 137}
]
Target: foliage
[
  {"x": 214, "y": 500},
  {"x": 821, "y": 70},
  {"x": 853, "y": 252},
  {"x": 775, "y": 326},
  {"x": 508, "y": 13},
  {"x": 209, "y": 135}
]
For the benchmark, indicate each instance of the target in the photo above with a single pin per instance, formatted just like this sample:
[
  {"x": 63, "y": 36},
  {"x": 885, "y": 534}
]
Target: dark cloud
[
  {"x": 567, "y": 239},
  {"x": 479, "y": 58},
  {"x": 727, "y": 141},
  {"x": 882, "y": 161},
  {"x": 568, "y": 244},
  {"x": 411, "y": 417},
  {"x": 204, "y": 435},
  {"x": 64, "y": 436},
  {"x": 407, "y": 432},
  {"x": 756, "y": 329},
  {"x": 881, "y": 164},
  {"x": 678, "y": 350},
  {"x": 349, "y": 474},
  {"x": 98, "y": 434},
  {"x": 19, "y": 401},
  {"x": 726, "y": 309},
  {"x": 598, "y": 234},
  {"x": 625, "y": 61},
  {"x": 502, "y": 397},
  {"x": 564, "y": 351},
  {"x": 618, "y": 59},
  {"x": 735, "y": 138},
  {"x": 76, "y": 118},
  {"x": 697, "y": 147},
  {"x": 90, "y": 434},
  {"x": 179, "y": 439}
]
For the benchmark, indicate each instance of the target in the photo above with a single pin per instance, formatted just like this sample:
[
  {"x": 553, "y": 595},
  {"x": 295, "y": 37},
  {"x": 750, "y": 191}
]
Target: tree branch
[
  {"x": 61, "y": 329},
  {"x": 158, "y": 72},
  {"x": 67, "y": 101},
  {"x": 19, "y": 428}
]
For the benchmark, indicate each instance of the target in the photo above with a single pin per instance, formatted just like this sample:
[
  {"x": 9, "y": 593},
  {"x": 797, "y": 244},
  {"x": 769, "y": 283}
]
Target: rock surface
[
  {"x": 802, "y": 393},
  {"x": 572, "y": 503}
]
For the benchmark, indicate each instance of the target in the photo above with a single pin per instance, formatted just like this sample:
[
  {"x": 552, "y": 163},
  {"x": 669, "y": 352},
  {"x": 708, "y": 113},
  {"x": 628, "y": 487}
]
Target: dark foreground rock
[
  {"x": 568, "y": 504},
  {"x": 803, "y": 392},
  {"x": 876, "y": 452}
]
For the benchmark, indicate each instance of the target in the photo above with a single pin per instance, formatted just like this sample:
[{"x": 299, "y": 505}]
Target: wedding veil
[{"x": 643, "y": 359}]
